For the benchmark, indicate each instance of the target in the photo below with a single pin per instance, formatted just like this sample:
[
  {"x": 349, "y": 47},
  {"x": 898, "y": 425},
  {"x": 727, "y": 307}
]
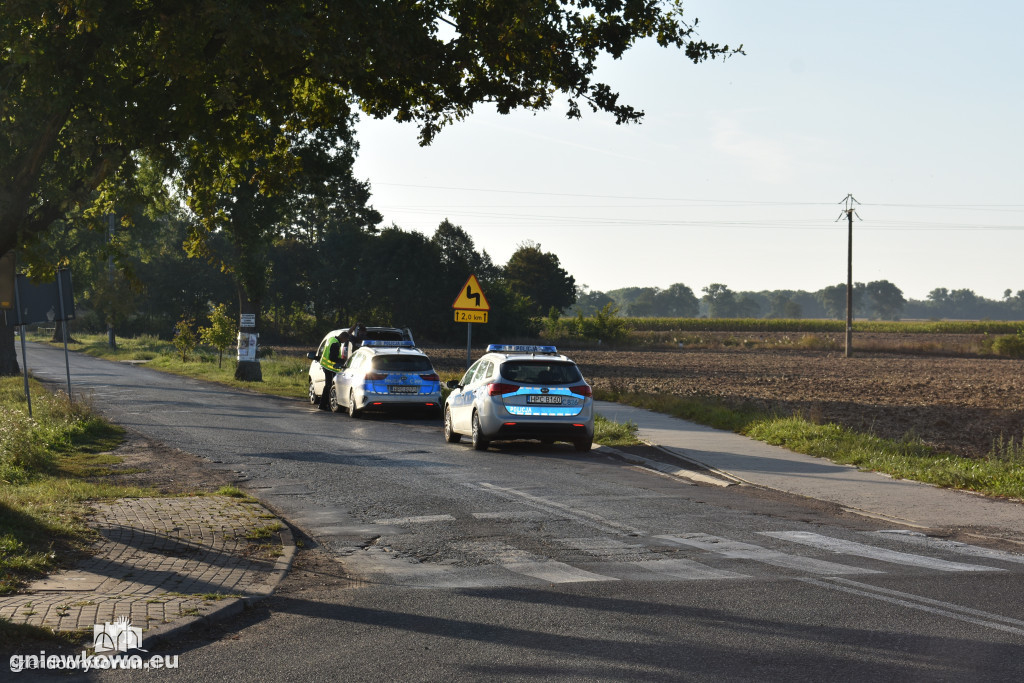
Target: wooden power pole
[{"x": 848, "y": 203}]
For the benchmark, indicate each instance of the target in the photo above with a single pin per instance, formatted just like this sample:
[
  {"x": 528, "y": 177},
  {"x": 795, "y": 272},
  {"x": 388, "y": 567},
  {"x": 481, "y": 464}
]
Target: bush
[{"x": 1011, "y": 345}]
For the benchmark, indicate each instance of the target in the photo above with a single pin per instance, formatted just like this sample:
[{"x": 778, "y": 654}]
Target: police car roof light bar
[
  {"x": 392, "y": 344},
  {"x": 520, "y": 348}
]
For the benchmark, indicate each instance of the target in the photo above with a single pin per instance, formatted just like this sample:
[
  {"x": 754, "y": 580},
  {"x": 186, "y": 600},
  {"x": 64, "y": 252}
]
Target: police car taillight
[
  {"x": 432, "y": 377},
  {"x": 582, "y": 390},
  {"x": 500, "y": 388},
  {"x": 376, "y": 376}
]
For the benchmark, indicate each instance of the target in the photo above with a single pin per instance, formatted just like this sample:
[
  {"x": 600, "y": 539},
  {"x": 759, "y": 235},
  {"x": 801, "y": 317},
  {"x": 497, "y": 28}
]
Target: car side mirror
[
  {"x": 311, "y": 355},
  {"x": 453, "y": 384}
]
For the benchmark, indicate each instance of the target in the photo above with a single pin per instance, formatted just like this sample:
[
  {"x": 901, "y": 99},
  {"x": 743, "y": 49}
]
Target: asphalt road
[{"x": 429, "y": 561}]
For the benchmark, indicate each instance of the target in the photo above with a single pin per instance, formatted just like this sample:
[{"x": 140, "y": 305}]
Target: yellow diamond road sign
[{"x": 471, "y": 297}]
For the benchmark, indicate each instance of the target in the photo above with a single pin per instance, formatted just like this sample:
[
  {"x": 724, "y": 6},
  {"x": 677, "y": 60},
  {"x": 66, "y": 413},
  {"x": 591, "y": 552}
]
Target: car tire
[
  {"x": 313, "y": 398},
  {"x": 480, "y": 442},
  {"x": 333, "y": 400},
  {"x": 583, "y": 445},
  {"x": 352, "y": 410},
  {"x": 450, "y": 435}
]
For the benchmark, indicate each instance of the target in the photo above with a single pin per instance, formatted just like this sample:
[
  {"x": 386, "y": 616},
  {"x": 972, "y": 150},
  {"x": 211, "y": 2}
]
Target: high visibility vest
[{"x": 325, "y": 359}]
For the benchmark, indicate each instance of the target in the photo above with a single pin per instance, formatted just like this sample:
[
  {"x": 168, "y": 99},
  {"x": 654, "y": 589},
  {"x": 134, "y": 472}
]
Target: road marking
[
  {"x": 945, "y": 609},
  {"x": 676, "y": 569},
  {"x": 605, "y": 547},
  {"x": 515, "y": 516},
  {"x": 526, "y": 563},
  {"x": 840, "y": 546},
  {"x": 422, "y": 519},
  {"x": 582, "y": 516},
  {"x": 917, "y": 538},
  {"x": 735, "y": 550}
]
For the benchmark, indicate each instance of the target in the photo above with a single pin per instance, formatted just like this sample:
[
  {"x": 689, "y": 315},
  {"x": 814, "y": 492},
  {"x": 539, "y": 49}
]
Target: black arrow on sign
[{"x": 471, "y": 295}]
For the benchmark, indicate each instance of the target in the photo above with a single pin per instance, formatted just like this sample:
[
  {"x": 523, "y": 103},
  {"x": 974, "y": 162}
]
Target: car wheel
[
  {"x": 335, "y": 406},
  {"x": 352, "y": 410},
  {"x": 480, "y": 442},
  {"x": 583, "y": 445},
  {"x": 313, "y": 398},
  {"x": 450, "y": 435}
]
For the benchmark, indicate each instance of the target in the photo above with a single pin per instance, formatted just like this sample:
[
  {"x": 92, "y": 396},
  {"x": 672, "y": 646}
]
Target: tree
[
  {"x": 540, "y": 276},
  {"x": 221, "y": 332},
  {"x": 90, "y": 88},
  {"x": 678, "y": 301},
  {"x": 885, "y": 299},
  {"x": 720, "y": 300},
  {"x": 589, "y": 302}
]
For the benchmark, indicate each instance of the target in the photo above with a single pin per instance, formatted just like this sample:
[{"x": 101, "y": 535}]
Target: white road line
[
  {"x": 919, "y": 539},
  {"x": 678, "y": 569},
  {"x": 605, "y": 547},
  {"x": 745, "y": 551},
  {"x": 840, "y": 546},
  {"x": 553, "y": 571},
  {"x": 582, "y": 516},
  {"x": 945, "y": 609},
  {"x": 515, "y": 515},
  {"x": 423, "y": 519}
]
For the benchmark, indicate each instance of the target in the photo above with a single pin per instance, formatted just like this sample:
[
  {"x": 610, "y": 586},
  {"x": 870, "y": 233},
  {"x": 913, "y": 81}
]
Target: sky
[{"x": 738, "y": 172}]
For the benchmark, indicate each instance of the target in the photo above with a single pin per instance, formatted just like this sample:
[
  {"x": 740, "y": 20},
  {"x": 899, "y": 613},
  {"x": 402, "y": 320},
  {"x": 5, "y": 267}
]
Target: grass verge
[
  {"x": 50, "y": 466},
  {"x": 1000, "y": 473}
]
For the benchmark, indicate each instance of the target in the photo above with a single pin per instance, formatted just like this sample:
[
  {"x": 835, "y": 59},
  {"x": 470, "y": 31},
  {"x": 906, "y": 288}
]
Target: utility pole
[{"x": 848, "y": 203}]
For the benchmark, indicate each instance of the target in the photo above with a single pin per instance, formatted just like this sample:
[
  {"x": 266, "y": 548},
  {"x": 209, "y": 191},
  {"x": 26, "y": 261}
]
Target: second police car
[
  {"x": 386, "y": 374},
  {"x": 521, "y": 392}
]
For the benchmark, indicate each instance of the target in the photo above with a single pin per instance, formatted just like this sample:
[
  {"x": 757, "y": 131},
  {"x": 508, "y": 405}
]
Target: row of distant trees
[{"x": 879, "y": 300}]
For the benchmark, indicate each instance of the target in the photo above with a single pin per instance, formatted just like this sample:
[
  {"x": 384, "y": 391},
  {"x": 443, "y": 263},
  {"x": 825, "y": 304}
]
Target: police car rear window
[
  {"x": 540, "y": 372},
  {"x": 403, "y": 362}
]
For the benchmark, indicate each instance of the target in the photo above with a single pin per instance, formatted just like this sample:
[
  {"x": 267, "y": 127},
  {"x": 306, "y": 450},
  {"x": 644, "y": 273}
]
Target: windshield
[
  {"x": 540, "y": 372},
  {"x": 402, "y": 362}
]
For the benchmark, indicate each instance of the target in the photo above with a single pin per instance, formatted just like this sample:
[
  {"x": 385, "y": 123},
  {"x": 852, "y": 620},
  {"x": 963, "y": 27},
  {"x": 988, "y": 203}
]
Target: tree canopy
[{"x": 89, "y": 85}]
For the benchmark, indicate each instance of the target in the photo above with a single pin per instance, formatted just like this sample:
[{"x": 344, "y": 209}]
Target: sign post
[{"x": 471, "y": 306}]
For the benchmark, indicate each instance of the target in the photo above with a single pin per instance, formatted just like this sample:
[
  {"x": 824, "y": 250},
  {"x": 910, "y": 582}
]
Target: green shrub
[{"x": 1011, "y": 345}]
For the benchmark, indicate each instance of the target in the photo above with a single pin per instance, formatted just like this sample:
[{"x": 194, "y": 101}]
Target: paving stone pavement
[{"x": 164, "y": 563}]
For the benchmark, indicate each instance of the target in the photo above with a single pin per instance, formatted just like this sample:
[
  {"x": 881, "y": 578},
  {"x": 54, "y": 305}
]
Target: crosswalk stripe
[
  {"x": 844, "y": 547},
  {"x": 422, "y": 519},
  {"x": 553, "y": 571},
  {"x": 919, "y": 539},
  {"x": 745, "y": 551},
  {"x": 679, "y": 569}
]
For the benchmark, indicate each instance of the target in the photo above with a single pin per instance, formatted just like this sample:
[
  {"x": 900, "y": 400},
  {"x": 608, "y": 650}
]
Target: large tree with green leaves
[
  {"x": 539, "y": 275},
  {"x": 89, "y": 85}
]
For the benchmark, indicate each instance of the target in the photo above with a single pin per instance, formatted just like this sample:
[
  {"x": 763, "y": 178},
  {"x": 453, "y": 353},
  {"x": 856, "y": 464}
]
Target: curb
[
  {"x": 233, "y": 606},
  {"x": 721, "y": 479}
]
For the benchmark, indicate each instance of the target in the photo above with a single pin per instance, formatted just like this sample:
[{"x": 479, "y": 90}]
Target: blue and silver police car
[
  {"x": 386, "y": 374},
  {"x": 521, "y": 392}
]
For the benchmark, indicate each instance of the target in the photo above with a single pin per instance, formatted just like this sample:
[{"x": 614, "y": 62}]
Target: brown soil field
[{"x": 957, "y": 404}]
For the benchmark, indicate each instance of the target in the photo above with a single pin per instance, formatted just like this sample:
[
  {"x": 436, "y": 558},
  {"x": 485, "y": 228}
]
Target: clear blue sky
[{"x": 735, "y": 176}]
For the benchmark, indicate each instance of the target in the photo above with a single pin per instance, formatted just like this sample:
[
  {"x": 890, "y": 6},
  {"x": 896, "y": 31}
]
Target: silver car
[
  {"x": 386, "y": 374},
  {"x": 521, "y": 392}
]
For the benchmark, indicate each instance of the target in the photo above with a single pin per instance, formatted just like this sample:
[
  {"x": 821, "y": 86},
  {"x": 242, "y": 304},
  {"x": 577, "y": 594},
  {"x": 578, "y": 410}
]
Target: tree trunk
[
  {"x": 58, "y": 333},
  {"x": 248, "y": 370},
  {"x": 8, "y": 355}
]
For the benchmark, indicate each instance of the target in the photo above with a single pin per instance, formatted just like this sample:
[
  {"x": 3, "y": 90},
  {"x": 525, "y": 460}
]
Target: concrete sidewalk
[
  {"x": 868, "y": 493},
  {"x": 165, "y": 564}
]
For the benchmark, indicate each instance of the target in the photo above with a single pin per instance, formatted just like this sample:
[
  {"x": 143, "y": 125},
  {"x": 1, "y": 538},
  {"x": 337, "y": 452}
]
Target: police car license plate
[
  {"x": 403, "y": 389},
  {"x": 542, "y": 398}
]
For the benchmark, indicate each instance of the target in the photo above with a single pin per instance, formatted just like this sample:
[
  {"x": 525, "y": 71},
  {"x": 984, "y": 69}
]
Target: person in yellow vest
[{"x": 332, "y": 361}]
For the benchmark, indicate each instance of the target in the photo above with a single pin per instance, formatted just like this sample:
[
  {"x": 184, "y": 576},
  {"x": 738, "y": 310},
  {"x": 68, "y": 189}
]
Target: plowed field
[{"x": 954, "y": 403}]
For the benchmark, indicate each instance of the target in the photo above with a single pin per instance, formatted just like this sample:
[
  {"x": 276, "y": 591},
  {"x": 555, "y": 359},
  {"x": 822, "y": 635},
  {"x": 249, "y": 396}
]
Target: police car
[
  {"x": 386, "y": 374},
  {"x": 521, "y": 392},
  {"x": 316, "y": 372}
]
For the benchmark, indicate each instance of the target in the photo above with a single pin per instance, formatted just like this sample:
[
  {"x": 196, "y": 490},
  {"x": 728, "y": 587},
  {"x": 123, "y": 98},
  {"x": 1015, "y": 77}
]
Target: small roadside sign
[
  {"x": 470, "y": 316},
  {"x": 247, "y": 320},
  {"x": 471, "y": 297}
]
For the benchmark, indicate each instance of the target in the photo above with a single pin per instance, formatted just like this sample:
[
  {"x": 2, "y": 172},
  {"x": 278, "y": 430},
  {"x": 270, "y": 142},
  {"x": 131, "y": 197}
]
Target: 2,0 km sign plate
[{"x": 470, "y": 316}]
